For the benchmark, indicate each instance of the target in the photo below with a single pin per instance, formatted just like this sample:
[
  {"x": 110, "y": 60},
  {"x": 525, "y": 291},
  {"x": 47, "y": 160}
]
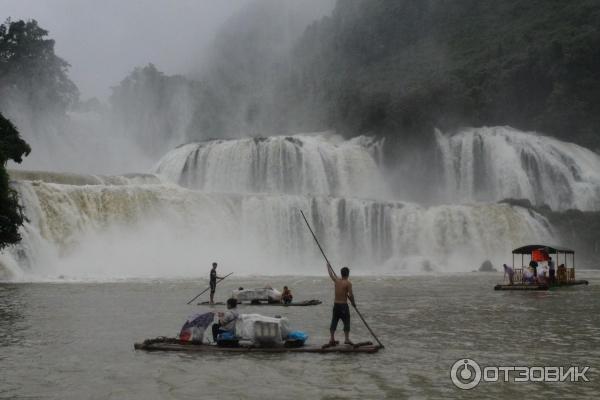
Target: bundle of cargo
[{"x": 266, "y": 294}]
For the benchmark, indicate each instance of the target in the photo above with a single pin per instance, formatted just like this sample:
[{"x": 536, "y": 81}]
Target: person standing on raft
[
  {"x": 213, "y": 282},
  {"x": 343, "y": 292}
]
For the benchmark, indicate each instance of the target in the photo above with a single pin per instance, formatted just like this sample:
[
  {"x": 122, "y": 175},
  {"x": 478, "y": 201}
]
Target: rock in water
[{"x": 487, "y": 266}]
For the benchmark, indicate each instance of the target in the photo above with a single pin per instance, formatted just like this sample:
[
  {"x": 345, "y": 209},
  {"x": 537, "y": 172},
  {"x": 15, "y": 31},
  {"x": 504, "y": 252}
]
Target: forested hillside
[
  {"x": 35, "y": 89},
  {"x": 401, "y": 66}
]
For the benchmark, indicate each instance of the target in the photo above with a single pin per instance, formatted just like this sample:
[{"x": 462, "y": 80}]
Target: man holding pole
[
  {"x": 213, "y": 282},
  {"x": 343, "y": 292},
  {"x": 345, "y": 287}
]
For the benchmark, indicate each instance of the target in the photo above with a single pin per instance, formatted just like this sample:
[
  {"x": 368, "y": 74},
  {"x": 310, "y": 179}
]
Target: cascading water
[
  {"x": 491, "y": 164},
  {"x": 299, "y": 164},
  {"x": 81, "y": 179},
  {"x": 238, "y": 201},
  {"x": 101, "y": 231}
]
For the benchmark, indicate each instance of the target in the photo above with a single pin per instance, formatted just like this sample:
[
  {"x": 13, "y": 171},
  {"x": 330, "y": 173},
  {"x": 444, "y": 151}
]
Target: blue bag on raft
[
  {"x": 225, "y": 336},
  {"x": 297, "y": 335}
]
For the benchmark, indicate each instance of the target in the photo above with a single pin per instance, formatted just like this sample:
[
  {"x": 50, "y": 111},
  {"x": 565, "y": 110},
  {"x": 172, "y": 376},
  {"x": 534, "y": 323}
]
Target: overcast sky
[{"x": 104, "y": 40}]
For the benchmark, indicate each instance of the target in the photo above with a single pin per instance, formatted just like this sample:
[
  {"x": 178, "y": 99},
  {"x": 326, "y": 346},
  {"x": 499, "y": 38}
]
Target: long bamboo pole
[
  {"x": 204, "y": 291},
  {"x": 334, "y": 274}
]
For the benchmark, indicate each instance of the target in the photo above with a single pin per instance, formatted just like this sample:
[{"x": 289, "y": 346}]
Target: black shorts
[
  {"x": 213, "y": 286},
  {"x": 340, "y": 311}
]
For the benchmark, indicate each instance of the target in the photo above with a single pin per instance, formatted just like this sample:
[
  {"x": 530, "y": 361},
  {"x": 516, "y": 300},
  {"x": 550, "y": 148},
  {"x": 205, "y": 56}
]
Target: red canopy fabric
[{"x": 540, "y": 255}]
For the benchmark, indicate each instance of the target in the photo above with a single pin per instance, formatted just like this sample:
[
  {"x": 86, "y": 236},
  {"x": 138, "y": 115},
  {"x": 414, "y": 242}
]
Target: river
[{"x": 75, "y": 340}]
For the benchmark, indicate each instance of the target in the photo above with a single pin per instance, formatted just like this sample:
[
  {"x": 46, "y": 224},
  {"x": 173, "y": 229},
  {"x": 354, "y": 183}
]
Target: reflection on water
[
  {"x": 76, "y": 340},
  {"x": 12, "y": 321}
]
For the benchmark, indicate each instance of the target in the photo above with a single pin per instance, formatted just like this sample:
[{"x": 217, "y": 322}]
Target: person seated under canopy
[
  {"x": 542, "y": 274},
  {"x": 528, "y": 276}
]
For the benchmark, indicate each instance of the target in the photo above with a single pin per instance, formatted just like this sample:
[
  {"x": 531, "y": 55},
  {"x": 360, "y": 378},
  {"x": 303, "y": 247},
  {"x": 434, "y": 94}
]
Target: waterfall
[
  {"x": 157, "y": 230},
  {"x": 299, "y": 164},
  {"x": 66, "y": 178},
  {"x": 491, "y": 164},
  {"x": 238, "y": 202}
]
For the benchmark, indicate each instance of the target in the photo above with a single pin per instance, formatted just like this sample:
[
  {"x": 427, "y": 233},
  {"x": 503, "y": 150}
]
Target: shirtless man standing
[{"x": 343, "y": 292}]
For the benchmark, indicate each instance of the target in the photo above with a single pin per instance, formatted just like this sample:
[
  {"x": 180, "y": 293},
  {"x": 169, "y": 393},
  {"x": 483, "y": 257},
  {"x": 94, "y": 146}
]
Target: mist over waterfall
[
  {"x": 87, "y": 142},
  {"x": 495, "y": 163}
]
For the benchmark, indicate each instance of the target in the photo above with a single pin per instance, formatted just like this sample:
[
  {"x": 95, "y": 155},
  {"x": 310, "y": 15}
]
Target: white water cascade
[
  {"x": 491, "y": 164},
  {"x": 300, "y": 164},
  {"x": 158, "y": 230},
  {"x": 238, "y": 202}
]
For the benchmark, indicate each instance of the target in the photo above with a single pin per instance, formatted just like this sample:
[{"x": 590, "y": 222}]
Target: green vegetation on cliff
[
  {"x": 12, "y": 147},
  {"x": 151, "y": 107},
  {"x": 35, "y": 90},
  {"x": 397, "y": 68},
  {"x": 394, "y": 66},
  {"x": 402, "y": 67}
]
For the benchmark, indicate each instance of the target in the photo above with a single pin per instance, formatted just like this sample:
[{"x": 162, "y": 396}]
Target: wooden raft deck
[
  {"x": 525, "y": 286},
  {"x": 174, "y": 345},
  {"x": 305, "y": 303}
]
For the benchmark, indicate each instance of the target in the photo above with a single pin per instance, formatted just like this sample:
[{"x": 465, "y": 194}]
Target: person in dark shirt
[
  {"x": 533, "y": 264},
  {"x": 213, "y": 282},
  {"x": 551, "y": 271},
  {"x": 286, "y": 295}
]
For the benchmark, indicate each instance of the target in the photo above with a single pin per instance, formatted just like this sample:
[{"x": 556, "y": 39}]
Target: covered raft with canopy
[{"x": 564, "y": 272}]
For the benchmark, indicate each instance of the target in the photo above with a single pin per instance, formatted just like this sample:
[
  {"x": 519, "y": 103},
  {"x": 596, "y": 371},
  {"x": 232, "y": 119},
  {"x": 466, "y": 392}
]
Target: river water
[{"x": 75, "y": 340}]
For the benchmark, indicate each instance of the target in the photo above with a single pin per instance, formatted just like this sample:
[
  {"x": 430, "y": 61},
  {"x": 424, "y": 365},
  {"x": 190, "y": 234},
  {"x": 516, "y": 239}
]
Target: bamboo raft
[
  {"x": 296, "y": 304},
  {"x": 172, "y": 344},
  {"x": 564, "y": 274},
  {"x": 525, "y": 286}
]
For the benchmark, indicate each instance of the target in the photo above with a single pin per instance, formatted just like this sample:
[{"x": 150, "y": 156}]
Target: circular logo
[{"x": 465, "y": 374}]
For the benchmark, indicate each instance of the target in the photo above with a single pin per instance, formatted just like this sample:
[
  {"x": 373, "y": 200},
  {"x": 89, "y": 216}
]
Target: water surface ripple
[{"x": 75, "y": 340}]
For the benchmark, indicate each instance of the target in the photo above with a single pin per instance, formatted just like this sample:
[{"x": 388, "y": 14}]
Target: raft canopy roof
[{"x": 550, "y": 249}]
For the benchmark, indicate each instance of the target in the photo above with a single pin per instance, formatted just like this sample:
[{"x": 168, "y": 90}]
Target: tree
[
  {"x": 12, "y": 147},
  {"x": 157, "y": 110},
  {"x": 33, "y": 80}
]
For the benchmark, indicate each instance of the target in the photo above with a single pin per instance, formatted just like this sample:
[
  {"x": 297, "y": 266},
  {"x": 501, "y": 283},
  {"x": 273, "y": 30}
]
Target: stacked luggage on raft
[
  {"x": 262, "y": 331},
  {"x": 250, "y": 330},
  {"x": 257, "y": 295}
]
